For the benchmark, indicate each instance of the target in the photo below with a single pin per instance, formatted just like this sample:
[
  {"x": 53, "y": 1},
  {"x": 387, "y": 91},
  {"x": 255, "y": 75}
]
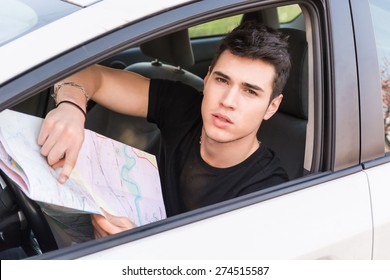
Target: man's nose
[{"x": 230, "y": 98}]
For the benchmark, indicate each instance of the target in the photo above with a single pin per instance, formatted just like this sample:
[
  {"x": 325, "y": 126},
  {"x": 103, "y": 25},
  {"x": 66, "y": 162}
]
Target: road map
[{"x": 122, "y": 180}]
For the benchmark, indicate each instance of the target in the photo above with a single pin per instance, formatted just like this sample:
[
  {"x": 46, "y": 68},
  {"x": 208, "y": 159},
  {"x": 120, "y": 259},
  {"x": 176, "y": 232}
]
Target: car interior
[
  {"x": 171, "y": 55},
  {"x": 181, "y": 57}
]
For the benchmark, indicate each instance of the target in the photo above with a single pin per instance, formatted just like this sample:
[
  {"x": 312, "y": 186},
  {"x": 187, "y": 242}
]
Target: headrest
[
  {"x": 174, "y": 49},
  {"x": 295, "y": 93}
]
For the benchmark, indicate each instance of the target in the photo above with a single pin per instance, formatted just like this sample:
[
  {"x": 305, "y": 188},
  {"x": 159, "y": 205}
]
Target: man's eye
[
  {"x": 221, "y": 80},
  {"x": 251, "y": 92}
]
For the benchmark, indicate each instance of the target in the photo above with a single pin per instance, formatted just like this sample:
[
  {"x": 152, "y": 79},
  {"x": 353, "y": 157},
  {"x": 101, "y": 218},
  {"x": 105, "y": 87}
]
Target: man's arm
[
  {"x": 121, "y": 91},
  {"x": 62, "y": 132}
]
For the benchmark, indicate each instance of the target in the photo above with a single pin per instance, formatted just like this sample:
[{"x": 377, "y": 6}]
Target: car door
[
  {"x": 323, "y": 215},
  {"x": 321, "y": 222},
  {"x": 373, "y": 45}
]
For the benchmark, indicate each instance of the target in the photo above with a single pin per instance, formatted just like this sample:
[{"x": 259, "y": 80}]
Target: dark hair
[{"x": 256, "y": 41}]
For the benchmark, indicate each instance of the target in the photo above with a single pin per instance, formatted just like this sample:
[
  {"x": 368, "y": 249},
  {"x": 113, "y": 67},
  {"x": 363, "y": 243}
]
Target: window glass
[
  {"x": 23, "y": 18},
  {"x": 380, "y": 11},
  {"x": 20, "y": 17},
  {"x": 215, "y": 27},
  {"x": 288, "y": 13}
]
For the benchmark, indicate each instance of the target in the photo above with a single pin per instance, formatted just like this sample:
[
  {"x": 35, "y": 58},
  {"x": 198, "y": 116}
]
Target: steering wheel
[{"x": 34, "y": 216}]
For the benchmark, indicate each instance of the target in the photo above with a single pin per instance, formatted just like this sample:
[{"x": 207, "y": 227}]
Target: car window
[
  {"x": 12, "y": 26},
  {"x": 380, "y": 12},
  {"x": 215, "y": 27},
  {"x": 20, "y": 17},
  {"x": 286, "y": 14}
]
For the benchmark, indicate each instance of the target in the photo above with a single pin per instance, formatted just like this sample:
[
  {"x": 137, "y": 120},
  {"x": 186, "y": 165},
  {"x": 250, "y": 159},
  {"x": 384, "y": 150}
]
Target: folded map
[{"x": 109, "y": 175}]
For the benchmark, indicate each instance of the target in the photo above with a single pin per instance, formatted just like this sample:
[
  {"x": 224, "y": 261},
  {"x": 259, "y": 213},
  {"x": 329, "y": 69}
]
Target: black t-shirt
[{"x": 188, "y": 182}]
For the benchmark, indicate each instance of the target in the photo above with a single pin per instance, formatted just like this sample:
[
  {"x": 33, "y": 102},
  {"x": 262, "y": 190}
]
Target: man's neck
[{"x": 224, "y": 155}]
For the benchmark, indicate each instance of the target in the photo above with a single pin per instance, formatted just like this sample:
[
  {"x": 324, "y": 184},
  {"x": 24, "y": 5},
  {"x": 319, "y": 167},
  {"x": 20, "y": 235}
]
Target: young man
[{"x": 209, "y": 151}]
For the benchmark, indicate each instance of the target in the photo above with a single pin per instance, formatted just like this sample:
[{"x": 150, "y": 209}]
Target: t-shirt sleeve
[{"x": 172, "y": 102}]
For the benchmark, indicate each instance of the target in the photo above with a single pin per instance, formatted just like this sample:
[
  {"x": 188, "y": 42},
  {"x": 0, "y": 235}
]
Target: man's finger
[
  {"x": 102, "y": 226},
  {"x": 65, "y": 173},
  {"x": 55, "y": 155},
  {"x": 98, "y": 232},
  {"x": 121, "y": 223},
  {"x": 58, "y": 164},
  {"x": 44, "y": 132},
  {"x": 42, "y": 137},
  {"x": 69, "y": 163}
]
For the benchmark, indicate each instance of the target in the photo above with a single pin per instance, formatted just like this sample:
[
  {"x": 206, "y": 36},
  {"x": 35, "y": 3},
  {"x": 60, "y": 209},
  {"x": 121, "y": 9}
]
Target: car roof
[{"x": 70, "y": 28}]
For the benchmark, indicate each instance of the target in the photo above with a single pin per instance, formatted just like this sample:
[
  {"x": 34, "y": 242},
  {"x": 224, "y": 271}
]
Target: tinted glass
[{"x": 380, "y": 10}]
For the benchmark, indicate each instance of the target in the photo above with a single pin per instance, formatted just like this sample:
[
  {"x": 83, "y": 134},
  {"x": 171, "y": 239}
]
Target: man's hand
[
  {"x": 61, "y": 138},
  {"x": 110, "y": 224}
]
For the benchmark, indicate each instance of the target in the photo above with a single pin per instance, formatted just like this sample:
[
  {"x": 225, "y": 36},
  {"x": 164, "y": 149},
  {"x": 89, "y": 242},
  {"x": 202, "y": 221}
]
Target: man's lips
[{"x": 221, "y": 120}]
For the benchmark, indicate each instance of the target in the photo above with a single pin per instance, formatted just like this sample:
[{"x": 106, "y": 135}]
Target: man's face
[{"x": 236, "y": 99}]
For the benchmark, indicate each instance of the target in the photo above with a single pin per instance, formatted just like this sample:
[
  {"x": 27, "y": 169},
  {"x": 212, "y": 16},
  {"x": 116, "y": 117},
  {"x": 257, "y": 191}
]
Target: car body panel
[
  {"x": 378, "y": 177},
  {"x": 73, "y": 30},
  {"x": 375, "y": 161},
  {"x": 279, "y": 228},
  {"x": 372, "y": 142},
  {"x": 341, "y": 42},
  {"x": 341, "y": 211}
]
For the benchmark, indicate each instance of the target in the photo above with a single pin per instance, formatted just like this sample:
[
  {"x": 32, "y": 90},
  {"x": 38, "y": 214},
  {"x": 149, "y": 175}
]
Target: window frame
[
  {"x": 372, "y": 134},
  {"x": 325, "y": 149}
]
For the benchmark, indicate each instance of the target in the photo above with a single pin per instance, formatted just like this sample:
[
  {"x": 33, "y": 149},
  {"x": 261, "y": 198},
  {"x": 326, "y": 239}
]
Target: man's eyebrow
[
  {"x": 248, "y": 85},
  {"x": 255, "y": 87},
  {"x": 222, "y": 75}
]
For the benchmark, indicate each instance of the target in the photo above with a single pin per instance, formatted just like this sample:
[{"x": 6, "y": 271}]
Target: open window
[
  {"x": 190, "y": 53},
  {"x": 182, "y": 51}
]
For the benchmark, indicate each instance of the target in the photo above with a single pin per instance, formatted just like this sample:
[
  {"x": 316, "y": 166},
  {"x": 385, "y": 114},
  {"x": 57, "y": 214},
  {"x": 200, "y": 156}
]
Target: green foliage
[
  {"x": 216, "y": 27},
  {"x": 225, "y": 25},
  {"x": 288, "y": 13}
]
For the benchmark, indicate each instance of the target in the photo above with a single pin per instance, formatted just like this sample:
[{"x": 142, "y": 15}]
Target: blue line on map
[{"x": 131, "y": 184}]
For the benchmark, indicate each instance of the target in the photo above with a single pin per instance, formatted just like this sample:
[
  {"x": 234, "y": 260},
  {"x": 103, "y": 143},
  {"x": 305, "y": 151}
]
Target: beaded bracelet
[
  {"x": 71, "y": 84},
  {"x": 72, "y": 103}
]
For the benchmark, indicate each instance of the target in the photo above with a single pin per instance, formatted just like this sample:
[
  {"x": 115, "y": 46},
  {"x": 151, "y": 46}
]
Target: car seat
[
  {"x": 285, "y": 132},
  {"x": 171, "y": 53}
]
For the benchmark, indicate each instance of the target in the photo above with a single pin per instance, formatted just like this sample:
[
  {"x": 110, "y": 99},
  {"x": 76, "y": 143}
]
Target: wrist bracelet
[
  {"x": 71, "y": 84},
  {"x": 74, "y": 104}
]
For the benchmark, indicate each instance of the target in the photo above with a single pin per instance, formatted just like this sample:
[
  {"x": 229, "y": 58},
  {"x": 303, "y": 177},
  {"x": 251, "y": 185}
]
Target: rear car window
[{"x": 380, "y": 11}]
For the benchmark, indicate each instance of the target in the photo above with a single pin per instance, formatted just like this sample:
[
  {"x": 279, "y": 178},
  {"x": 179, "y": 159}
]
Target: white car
[{"x": 331, "y": 133}]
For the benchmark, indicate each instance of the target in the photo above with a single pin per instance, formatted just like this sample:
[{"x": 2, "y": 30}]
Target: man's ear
[
  {"x": 207, "y": 76},
  {"x": 273, "y": 107}
]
